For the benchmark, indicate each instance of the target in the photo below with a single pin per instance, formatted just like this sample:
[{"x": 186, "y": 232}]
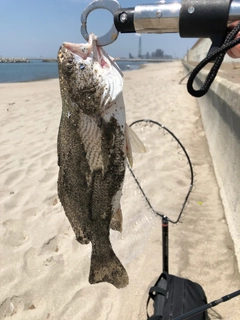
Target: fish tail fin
[{"x": 106, "y": 267}]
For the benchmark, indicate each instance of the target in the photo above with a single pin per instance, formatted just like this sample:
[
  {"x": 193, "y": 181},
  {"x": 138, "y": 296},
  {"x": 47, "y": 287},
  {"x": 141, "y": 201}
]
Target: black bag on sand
[{"x": 174, "y": 296}]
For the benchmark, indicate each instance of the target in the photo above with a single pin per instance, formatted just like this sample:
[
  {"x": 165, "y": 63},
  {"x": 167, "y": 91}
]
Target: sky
[{"x": 37, "y": 28}]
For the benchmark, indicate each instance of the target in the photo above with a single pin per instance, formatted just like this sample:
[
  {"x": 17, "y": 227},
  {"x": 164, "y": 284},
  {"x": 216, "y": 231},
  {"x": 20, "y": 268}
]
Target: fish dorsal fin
[{"x": 133, "y": 144}]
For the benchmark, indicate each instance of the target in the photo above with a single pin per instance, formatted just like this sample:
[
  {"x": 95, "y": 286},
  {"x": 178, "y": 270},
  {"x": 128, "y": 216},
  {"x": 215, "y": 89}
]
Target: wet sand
[{"x": 44, "y": 270}]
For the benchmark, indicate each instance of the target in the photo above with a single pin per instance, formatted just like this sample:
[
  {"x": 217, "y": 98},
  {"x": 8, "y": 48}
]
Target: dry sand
[{"x": 44, "y": 270}]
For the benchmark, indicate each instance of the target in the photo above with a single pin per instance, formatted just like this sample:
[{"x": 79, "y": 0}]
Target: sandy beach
[{"x": 44, "y": 270}]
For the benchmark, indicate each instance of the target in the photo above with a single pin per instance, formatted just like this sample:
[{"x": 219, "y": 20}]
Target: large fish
[{"x": 92, "y": 149}]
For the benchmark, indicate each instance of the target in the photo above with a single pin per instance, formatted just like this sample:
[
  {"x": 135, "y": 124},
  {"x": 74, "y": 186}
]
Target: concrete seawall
[
  {"x": 199, "y": 51},
  {"x": 220, "y": 110}
]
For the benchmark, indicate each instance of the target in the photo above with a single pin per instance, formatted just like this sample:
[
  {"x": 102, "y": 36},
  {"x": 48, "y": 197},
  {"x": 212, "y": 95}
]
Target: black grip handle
[{"x": 203, "y": 19}]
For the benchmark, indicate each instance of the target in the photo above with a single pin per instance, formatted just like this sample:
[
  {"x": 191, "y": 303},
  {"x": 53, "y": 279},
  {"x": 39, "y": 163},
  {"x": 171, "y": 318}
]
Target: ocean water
[
  {"x": 38, "y": 70},
  {"x": 24, "y": 72}
]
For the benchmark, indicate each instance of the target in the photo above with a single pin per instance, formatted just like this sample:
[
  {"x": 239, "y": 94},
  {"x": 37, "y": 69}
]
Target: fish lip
[
  {"x": 76, "y": 50},
  {"x": 95, "y": 54},
  {"x": 62, "y": 52},
  {"x": 89, "y": 50}
]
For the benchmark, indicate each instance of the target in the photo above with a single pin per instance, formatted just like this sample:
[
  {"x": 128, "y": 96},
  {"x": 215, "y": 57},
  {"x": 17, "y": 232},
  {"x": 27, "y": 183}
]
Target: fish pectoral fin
[
  {"x": 128, "y": 146},
  {"x": 105, "y": 266},
  {"x": 116, "y": 222},
  {"x": 133, "y": 144},
  {"x": 136, "y": 144},
  {"x": 91, "y": 137}
]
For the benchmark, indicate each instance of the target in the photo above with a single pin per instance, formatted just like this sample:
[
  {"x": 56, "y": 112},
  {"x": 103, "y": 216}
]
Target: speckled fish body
[{"x": 92, "y": 153}]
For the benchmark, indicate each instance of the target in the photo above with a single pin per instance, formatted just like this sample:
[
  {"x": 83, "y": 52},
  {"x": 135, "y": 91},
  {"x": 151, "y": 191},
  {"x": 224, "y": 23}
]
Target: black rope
[
  {"x": 191, "y": 173},
  {"x": 218, "y": 55}
]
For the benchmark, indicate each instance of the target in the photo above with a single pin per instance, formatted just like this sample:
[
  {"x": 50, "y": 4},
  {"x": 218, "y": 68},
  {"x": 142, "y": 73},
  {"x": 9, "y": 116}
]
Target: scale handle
[{"x": 189, "y": 18}]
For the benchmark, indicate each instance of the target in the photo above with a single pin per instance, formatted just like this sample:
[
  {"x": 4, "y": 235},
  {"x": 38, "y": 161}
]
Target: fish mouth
[{"x": 89, "y": 50}]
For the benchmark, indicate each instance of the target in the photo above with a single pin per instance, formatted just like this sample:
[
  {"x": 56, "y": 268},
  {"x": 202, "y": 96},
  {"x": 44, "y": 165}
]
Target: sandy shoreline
[{"x": 44, "y": 270}]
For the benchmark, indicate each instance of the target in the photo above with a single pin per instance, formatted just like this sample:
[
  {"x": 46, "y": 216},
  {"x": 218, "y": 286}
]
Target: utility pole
[{"x": 140, "y": 47}]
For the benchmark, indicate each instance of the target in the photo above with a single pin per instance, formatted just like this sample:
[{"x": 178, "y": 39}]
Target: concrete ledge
[{"x": 220, "y": 110}]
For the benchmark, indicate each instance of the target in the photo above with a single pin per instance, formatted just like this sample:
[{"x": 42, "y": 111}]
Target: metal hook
[{"x": 110, "y": 5}]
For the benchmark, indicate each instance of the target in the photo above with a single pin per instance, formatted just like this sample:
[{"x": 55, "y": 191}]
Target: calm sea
[{"x": 38, "y": 70}]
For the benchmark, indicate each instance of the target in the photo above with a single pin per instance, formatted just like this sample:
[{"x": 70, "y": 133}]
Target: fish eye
[{"x": 82, "y": 66}]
